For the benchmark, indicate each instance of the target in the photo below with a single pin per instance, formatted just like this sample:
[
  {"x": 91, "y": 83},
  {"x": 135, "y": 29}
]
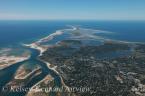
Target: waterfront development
[{"x": 86, "y": 60}]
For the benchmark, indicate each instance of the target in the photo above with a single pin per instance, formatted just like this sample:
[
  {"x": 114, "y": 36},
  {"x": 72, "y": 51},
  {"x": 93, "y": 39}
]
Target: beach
[{"x": 6, "y": 61}]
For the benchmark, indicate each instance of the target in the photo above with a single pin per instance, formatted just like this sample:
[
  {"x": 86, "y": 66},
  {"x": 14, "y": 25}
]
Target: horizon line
[{"x": 72, "y": 19}]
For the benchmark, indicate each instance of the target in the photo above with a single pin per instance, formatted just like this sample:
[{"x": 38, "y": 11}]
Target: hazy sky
[{"x": 73, "y": 9}]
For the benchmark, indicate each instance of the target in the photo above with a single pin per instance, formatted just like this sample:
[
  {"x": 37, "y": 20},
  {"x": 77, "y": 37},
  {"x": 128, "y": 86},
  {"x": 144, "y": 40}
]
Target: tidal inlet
[{"x": 72, "y": 48}]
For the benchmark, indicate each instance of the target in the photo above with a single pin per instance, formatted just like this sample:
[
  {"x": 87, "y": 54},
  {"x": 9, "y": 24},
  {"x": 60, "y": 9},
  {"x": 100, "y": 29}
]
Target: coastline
[
  {"x": 36, "y": 45},
  {"x": 35, "y": 88},
  {"x": 54, "y": 69},
  {"x": 23, "y": 76},
  {"x": 11, "y": 60}
]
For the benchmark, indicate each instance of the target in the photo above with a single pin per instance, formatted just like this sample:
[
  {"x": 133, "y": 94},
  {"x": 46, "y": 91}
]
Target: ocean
[{"x": 17, "y": 32}]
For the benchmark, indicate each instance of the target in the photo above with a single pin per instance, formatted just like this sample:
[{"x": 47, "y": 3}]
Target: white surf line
[
  {"x": 50, "y": 37},
  {"x": 59, "y": 32},
  {"x": 36, "y": 45},
  {"x": 47, "y": 38}
]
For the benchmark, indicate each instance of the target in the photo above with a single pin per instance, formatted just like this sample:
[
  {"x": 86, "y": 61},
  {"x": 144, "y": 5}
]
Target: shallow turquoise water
[{"x": 14, "y": 33}]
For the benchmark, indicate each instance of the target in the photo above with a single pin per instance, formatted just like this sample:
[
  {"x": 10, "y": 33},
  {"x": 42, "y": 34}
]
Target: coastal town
[
  {"x": 110, "y": 75},
  {"x": 108, "y": 68}
]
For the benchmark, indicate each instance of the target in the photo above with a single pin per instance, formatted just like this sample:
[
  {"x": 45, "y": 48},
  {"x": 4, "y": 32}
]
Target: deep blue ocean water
[
  {"x": 16, "y": 32},
  {"x": 13, "y": 33}
]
